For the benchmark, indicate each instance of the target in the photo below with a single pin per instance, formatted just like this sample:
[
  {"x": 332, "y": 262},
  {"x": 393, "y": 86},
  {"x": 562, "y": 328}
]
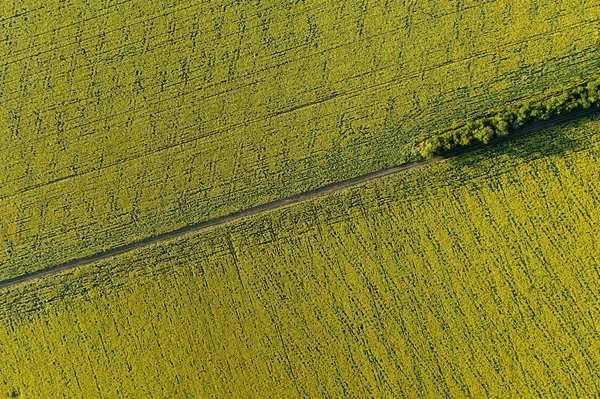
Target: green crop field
[
  {"x": 122, "y": 120},
  {"x": 473, "y": 277}
]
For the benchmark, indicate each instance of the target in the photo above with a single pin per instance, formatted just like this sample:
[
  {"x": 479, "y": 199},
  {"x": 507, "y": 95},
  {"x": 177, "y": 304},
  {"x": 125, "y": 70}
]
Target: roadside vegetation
[{"x": 515, "y": 116}]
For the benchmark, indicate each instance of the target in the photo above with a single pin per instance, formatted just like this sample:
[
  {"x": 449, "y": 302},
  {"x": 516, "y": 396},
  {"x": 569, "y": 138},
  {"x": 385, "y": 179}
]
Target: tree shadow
[{"x": 556, "y": 140}]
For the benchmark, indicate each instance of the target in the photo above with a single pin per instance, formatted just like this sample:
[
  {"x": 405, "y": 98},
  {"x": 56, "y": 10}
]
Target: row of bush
[{"x": 513, "y": 117}]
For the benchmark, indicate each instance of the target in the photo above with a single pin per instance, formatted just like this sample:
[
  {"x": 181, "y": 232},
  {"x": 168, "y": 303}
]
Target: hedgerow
[{"x": 513, "y": 117}]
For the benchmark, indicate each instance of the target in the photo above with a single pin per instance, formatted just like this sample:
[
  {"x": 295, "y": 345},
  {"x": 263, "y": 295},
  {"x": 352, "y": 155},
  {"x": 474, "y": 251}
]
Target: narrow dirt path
[{"x": 285, "y": 202}]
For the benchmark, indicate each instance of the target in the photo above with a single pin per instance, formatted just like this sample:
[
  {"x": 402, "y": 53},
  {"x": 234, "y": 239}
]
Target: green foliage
[{"x": 513, "y": 117}]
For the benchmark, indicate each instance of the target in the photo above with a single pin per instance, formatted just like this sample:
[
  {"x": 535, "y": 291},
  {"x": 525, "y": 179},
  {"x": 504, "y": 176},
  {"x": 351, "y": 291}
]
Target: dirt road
[{"x": 285, "y": 202}]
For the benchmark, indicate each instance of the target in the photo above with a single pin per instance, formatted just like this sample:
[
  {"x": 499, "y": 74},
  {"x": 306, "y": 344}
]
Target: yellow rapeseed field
[
  {"x": 124, "y": 119},
  {"x": 474, "y": 277}
]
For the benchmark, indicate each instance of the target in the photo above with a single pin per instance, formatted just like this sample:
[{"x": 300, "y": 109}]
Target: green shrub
[{"x": 513, "y": 117}]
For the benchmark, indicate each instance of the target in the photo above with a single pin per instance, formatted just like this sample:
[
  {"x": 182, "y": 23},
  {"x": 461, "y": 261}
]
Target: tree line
[{"x": 513, "y": 117}]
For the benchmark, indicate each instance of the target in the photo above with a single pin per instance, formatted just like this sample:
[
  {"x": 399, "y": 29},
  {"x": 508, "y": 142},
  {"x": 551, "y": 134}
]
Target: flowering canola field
[
  {"x": 474, "y": 277},
  {"x": 124, "y": 119}
]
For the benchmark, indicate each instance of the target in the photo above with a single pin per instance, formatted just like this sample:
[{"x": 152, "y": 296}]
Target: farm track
[{"x": 284, "y": 202}]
